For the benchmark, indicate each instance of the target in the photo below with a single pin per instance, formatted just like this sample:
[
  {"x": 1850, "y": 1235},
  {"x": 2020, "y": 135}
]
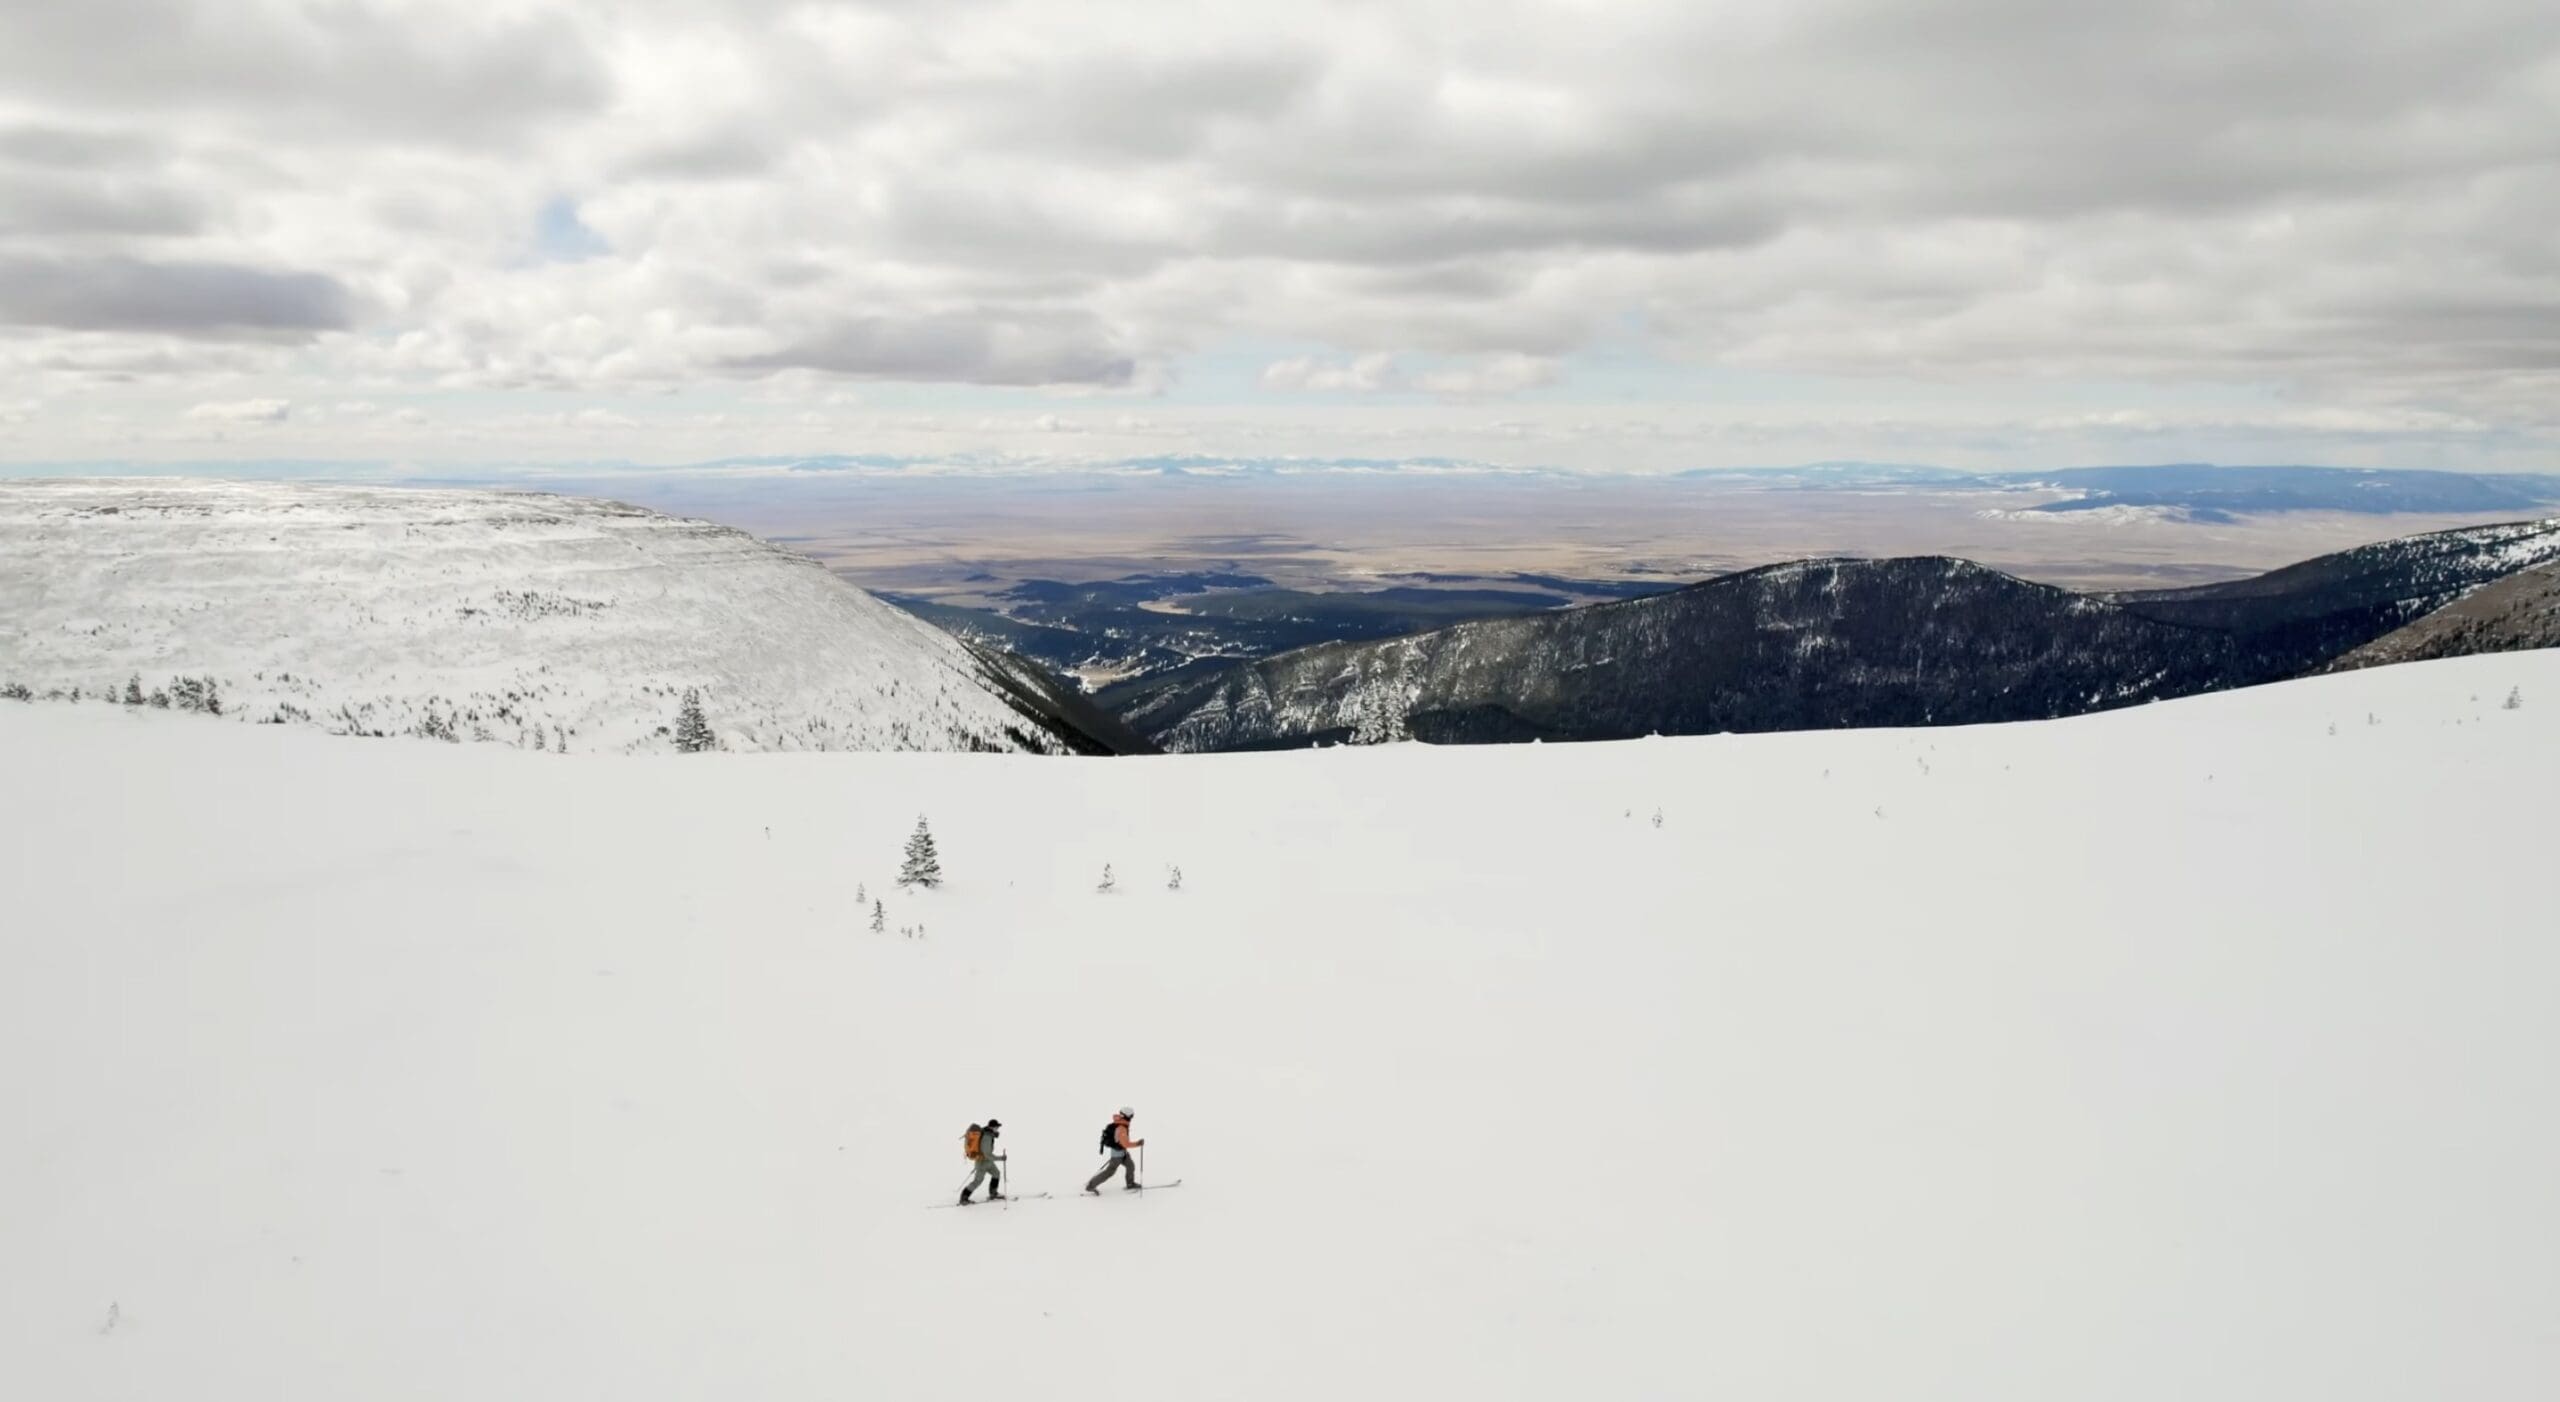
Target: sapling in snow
[
  {"x": 693, "y": 731},
  {"x": 923, "y": 866},
  {"x": 2514, "y": 701},
  {"x": 1109, "y": 884}
]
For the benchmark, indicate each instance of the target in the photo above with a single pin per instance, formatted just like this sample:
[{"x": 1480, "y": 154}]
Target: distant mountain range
[
  {"x": 2192, "y": 491},
  {"x": 1824, "y": 643}
]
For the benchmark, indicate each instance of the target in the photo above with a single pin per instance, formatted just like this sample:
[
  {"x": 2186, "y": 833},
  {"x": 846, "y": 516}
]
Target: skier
[
  {"x": 980, "y": 1145},
  {"x": 1117, "y": 1143}
]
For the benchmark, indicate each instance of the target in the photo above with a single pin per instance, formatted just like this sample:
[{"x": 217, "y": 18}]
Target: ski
[
  {"x": 1149, "y": 1188},
  {"x": 987, "y": 1202}
]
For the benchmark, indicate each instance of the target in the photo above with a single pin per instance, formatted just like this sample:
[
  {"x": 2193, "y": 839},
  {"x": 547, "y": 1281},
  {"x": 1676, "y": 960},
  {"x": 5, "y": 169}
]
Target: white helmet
[{"x": 1128, "y": 1114}]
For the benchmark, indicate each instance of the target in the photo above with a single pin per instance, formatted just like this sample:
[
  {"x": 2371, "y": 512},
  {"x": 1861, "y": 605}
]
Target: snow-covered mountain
[
  {"x": 2518, "y": 612},
  {"x": 2207, "y": 1051},
  {"x": 1828, "y": 643},
  {"x": 528, "y": 620},
  {"x": 2290, "y": 620}
]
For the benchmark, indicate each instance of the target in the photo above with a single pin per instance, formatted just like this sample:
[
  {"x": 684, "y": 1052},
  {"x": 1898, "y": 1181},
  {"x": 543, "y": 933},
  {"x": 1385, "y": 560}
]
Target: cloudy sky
[{"x": 1587, "y": 233}]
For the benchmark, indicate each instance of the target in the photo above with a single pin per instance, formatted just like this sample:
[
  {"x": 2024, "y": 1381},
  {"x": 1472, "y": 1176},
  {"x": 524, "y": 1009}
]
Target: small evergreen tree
[
  {"x": 133, "y": 690},
  {"x": 2514, "y": 701},
  {"x": 923, "y": 866},
  {"x": 1173, "y": 882},
  {"x": 693, "y": 733},
  {"x": 1108, "y": 883},
  {"x": 879, "y": 918}
]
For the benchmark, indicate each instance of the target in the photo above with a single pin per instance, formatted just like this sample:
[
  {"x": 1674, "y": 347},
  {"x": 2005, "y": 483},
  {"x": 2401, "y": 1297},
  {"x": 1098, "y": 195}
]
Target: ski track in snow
[{"x": 2188, "y": 1051}]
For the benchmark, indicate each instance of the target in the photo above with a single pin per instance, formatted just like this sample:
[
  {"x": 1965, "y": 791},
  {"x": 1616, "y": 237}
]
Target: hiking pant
[
  {"x": 983, "y": 1170},
  {"x": 1119, "y": 1162}
]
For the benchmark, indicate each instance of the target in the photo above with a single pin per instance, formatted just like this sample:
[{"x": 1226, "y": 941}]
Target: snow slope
[
  {"x": 2201, "y": 1050},
  {"x": 513, "y": 617}
]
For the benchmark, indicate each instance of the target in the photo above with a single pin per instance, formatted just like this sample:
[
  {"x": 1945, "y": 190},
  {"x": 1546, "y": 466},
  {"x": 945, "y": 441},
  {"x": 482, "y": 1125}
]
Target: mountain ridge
[{"x": 1830, "y": 642}]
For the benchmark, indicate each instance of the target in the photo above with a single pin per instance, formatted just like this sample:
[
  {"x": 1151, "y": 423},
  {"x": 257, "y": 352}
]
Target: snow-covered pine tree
[
  {"x": 1174, "y": 882},
  {"x": 1109, "y": 884},
  {"x": 693, "y": 733},
  {"x": 923, "y": 866},
  {"x": 2515, "y": 699},
  {"x": 133, "y": 690},
  {"x": 879, "y": 918}
]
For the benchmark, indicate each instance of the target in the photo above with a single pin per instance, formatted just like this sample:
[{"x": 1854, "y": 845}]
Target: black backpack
[{"x": 1110, "y": 1140}]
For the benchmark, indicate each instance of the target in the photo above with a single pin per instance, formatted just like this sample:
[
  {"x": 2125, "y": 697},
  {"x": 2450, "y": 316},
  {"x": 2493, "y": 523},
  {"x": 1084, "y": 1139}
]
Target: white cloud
[
  {"x": 1379, "y": 373},
  {"x": 242, "y": 411},
  {"x": 1503, "y": 374},
  {"x": 1368, "y": 374}
]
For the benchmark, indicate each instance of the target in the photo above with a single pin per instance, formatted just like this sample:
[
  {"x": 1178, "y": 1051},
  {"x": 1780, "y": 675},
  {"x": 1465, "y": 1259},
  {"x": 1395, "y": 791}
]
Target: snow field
[{"x": 2191, "y": 1050}]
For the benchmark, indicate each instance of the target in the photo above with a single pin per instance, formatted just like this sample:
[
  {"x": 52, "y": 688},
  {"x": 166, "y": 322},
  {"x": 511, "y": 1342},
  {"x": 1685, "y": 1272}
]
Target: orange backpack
[{"x": 969, "y": 1143}]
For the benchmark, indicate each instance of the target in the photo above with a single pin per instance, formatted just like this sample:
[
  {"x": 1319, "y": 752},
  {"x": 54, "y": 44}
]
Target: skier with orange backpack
[{"x": 979, "y": 1145}]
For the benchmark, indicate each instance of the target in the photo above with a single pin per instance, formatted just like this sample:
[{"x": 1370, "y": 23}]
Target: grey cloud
[
  {"x": 1389, "y": 231},
  {"x": 214, "y": 301},
  {"x": 723, "y": 153},
  {"x": 1122, "y": 105},
  {"x": 50, "y": 203},
  {"x": 73, "y": 147},
  {"x": 333, "y": 72},
  {"x": 985, "y": 349}
]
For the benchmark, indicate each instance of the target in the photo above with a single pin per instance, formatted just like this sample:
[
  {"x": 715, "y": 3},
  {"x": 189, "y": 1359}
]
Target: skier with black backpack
[
  {"x": 1116, "y": 1143},
  {"x": 979, "y": 1144}
]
